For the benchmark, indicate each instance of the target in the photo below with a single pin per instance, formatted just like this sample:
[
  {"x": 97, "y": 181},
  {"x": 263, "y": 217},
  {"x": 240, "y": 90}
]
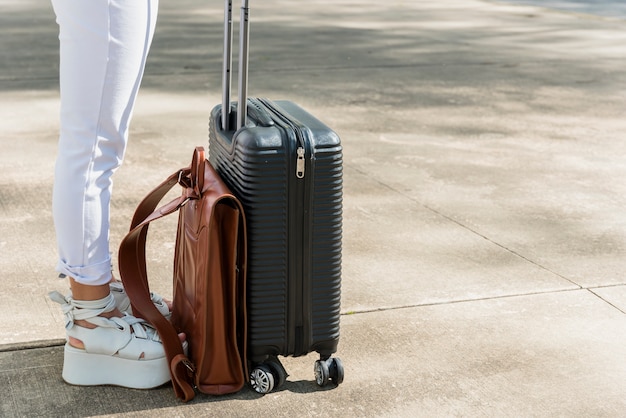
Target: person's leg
[{"x": 104, "y": 45}]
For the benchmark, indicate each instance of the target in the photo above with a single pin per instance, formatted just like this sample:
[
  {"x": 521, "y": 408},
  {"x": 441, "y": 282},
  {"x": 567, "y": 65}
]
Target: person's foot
[
  {"x": 76, "y": 343},
  {"x": 105, "y": 346}
]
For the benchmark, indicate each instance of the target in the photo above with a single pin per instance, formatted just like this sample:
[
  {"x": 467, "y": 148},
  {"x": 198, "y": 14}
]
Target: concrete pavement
[{"x": 485, "y": 229}]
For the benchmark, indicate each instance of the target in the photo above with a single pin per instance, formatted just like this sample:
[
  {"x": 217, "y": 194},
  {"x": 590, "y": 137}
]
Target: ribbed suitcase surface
[{"x": 294, "y": 212}]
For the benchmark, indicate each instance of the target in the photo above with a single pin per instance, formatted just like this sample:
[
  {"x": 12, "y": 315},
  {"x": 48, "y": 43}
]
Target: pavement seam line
[
  {"x": 31, "y": 345},
  {"x": 473, "y": 231},
  {"x": 605, "y": 301},
  {"x": 452, "y": 302}
]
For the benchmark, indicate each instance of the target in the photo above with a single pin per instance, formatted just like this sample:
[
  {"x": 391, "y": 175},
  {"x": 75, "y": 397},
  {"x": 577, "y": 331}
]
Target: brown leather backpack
[{"x": 209, "y": 280}]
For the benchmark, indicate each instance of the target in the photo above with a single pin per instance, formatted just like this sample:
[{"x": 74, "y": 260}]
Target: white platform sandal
[
  {"x": 119, "y": 351},
  {"x": 123, "y": 302}
]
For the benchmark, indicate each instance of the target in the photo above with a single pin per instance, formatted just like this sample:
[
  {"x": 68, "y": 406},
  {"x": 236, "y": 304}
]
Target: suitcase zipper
[
  {"x": 300, "y": 163},
  {"x": 301, "y": 150},
  {"x": 301, "y": 327}
]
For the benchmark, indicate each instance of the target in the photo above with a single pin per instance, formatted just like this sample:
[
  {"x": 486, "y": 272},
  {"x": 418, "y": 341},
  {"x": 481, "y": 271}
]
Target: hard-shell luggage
[{"x": 285, "y": 166}]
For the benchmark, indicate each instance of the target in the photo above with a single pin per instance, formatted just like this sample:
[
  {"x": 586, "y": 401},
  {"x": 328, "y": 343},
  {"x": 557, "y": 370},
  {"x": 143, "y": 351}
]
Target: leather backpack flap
[{"x": 209, "y": 287}]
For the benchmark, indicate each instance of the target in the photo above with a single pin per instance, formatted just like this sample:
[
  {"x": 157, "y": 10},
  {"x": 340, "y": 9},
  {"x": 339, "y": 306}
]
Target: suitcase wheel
[
  {"x": 268, "y": 375},
  {"x": 279, "y": 372},
  {"x": 328, "y": 370},
  {"x": 262, "y": 379},
  {"x": 322, "y": 372},
  {"x": 336, "y": 371}
]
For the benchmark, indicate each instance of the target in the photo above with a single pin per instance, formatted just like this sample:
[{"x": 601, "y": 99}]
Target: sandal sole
[{"x": 84, "y": 369}]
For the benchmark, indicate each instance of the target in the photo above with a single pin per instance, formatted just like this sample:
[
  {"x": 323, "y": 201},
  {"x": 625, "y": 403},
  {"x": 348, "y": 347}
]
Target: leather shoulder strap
[{"x": 132, "y": 266}]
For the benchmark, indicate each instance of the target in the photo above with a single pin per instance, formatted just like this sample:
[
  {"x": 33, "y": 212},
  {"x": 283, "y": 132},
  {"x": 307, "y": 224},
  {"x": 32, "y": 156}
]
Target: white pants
[{"x": 103, "y": 50}]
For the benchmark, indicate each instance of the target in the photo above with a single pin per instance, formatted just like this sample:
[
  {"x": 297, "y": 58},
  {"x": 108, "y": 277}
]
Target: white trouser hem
[{"x": 93, "y": 275}]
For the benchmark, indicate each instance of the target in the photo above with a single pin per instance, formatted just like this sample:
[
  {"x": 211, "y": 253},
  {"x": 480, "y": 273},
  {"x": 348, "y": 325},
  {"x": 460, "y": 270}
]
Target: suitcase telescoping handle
[
  {"x": 244, "y": 40},
  {"x": 226, "y": 72}
]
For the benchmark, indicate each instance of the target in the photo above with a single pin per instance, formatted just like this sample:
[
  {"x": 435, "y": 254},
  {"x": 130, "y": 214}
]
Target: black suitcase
[{"x": 286, "y": 168}]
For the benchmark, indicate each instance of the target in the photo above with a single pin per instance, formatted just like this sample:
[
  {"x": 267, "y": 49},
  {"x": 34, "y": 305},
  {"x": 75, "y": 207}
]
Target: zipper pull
[{"x": 300, "y": 163}]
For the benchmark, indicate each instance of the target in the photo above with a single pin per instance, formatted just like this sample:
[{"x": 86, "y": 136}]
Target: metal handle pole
[
  {"x": 244, "y": 39},
  {"x": 227, "y": 75}
]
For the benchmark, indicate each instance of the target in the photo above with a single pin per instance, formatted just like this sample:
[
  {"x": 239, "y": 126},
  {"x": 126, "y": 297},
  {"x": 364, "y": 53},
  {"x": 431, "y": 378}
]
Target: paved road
[
  {"x": 484, "y": 203},
  {"x": 606, "y": 8}
]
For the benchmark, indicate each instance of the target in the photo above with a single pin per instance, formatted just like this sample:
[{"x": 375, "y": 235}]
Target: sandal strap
[
  {"x": 87, "y": 310},
  {"x": 131, "y": 337},
  {"x": 141, "y": 328},
  {"x": 123, "y": 301}
]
